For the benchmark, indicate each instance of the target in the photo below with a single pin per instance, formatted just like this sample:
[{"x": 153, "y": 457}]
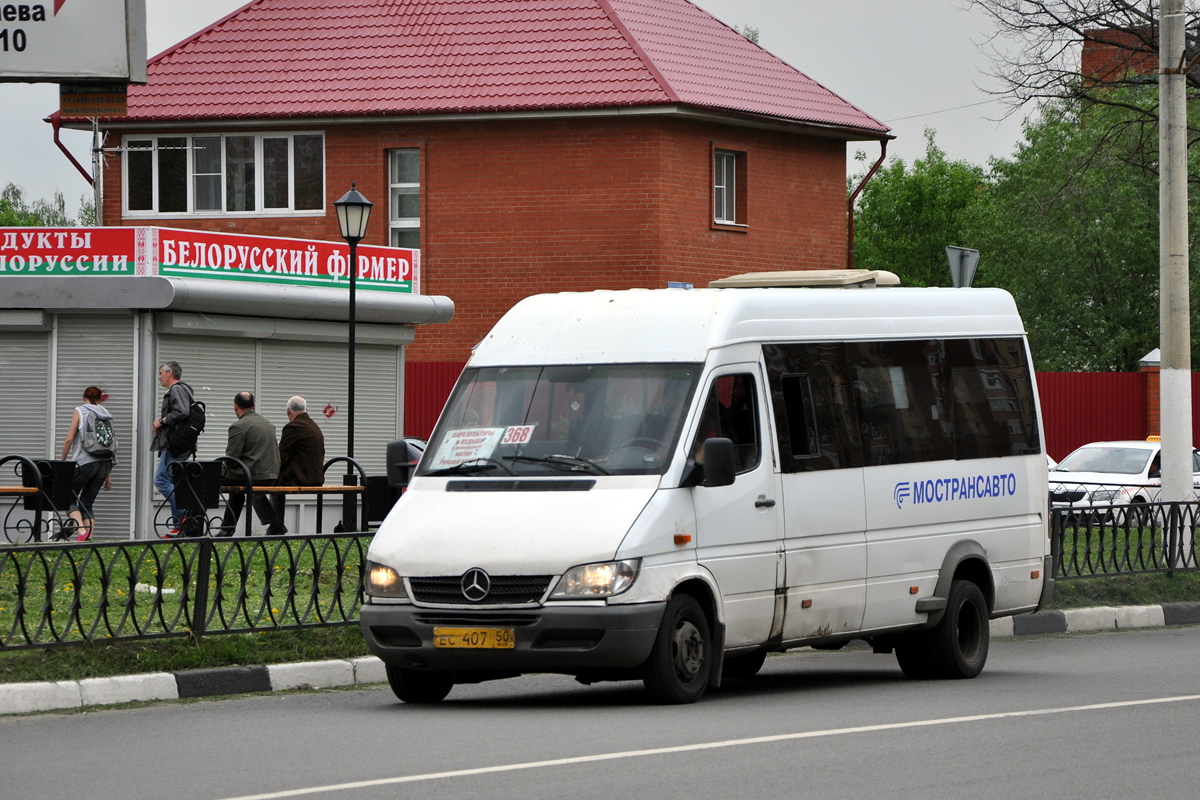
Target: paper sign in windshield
[{"x": 466, "y": 444}]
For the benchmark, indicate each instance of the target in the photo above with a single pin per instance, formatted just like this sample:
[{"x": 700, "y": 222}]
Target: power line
[{"x": 942, "y": 111}]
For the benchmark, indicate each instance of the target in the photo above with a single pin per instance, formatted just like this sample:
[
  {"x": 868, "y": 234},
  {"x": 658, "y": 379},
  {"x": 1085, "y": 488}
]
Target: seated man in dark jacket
[
  {"x": 301, "y": 451},
  {"x": 252, "y": 440}
]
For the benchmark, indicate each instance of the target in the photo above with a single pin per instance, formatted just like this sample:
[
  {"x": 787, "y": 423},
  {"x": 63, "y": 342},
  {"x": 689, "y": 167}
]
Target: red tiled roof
[{"x": 306, "y": 58}]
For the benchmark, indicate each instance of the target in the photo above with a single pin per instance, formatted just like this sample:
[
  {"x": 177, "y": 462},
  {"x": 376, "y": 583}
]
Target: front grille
[
  {"x": 1067, "y": 495},
  {"x": 466, "y": 619},
  {"x": 506, "y": 590}
]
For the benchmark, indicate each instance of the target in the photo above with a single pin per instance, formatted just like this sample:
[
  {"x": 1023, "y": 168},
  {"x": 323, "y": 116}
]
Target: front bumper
[{"x": 564, "y": 639}]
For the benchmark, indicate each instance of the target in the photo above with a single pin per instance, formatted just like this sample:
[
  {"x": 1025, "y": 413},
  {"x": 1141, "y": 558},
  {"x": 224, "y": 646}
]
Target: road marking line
[{"x": 691, "y": 748}]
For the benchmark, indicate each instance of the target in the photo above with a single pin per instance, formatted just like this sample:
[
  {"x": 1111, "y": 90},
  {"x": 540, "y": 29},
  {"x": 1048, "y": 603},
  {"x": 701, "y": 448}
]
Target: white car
[{"x": 1105, "y": 474}]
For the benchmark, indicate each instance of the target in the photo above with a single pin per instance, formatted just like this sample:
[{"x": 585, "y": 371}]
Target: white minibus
[{"x": 667, "y": 485}]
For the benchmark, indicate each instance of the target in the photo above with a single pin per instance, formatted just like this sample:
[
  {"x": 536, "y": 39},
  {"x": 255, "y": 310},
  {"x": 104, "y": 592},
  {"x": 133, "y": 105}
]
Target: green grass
[
  {"x": 75, "y": 662},
  {"x": 1126, "y": 590}
]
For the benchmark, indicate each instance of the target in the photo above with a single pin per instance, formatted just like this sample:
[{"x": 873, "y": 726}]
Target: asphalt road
[{"x": 1112, "y": 715}]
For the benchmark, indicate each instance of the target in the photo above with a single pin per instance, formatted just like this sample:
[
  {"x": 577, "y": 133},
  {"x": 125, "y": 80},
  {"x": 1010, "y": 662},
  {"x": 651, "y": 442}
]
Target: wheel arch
[{"x": 966, "y": 560}]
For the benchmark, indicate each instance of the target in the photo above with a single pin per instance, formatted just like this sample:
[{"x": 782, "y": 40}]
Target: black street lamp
[{"x": 353, "y": 211}]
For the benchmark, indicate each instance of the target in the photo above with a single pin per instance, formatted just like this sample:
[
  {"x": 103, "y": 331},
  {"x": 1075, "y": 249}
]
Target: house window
[
  {"x": 729, "y": 188},
  {"x": 404, "y": 188},
  {"x": 215, "y": 174}
]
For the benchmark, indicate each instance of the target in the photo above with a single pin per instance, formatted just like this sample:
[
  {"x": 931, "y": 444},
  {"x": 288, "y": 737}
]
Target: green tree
[
  {"x": 1069, "y": 226},
  {"x": 905, "y": 217},
  {"x": 16, "y": 211},
  {"x": 749, "y": 31}
]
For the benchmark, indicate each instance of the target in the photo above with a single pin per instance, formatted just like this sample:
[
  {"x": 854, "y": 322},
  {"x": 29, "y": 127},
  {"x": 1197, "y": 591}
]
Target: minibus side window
[
  {"x": 993, "y": 402},
  {"x": 901, "y": 408},
  {"x": 811, "y": 393},
  {"x": 731, "y": 411}
]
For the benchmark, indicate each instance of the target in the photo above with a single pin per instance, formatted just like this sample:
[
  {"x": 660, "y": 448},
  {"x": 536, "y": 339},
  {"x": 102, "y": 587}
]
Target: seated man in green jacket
[{"x": 252, "y": 440}]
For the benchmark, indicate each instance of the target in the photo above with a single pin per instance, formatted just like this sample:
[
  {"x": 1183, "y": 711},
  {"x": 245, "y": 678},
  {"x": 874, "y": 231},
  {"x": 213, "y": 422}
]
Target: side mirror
[
  {"x": 402, "y": 458},
  {"x": 718, "y": 462},
  {"x": 715, "y": 468}
]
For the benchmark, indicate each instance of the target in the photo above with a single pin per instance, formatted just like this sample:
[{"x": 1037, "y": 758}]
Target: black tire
[
  {"x": 414, "y": 686},
  {"x": 743, "y": 667},
  {"x": 679, "y": 664},
  {"x": 958, "y": 645},
  {"x": 1139, "y": 514},
  {"x": 912, "y": 653}
]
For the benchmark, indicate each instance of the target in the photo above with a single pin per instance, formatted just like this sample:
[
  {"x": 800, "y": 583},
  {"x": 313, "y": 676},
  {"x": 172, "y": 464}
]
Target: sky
[{"x": 911, "y": 64}]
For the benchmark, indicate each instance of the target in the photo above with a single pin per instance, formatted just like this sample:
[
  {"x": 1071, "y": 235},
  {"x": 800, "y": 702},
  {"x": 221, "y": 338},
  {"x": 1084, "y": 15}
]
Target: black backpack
[{"x": 182, "y": 436}]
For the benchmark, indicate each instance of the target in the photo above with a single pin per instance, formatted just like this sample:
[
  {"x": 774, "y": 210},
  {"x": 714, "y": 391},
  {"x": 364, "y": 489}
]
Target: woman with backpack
[{"x": 91, "y": 445}]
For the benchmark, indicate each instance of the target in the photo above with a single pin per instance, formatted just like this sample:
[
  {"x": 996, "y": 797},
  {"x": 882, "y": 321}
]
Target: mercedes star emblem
[{"x": 475, "y": 584}]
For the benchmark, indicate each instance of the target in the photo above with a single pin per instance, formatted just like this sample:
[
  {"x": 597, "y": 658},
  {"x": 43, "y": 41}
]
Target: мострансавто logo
[{"x": 944, "y": 490}]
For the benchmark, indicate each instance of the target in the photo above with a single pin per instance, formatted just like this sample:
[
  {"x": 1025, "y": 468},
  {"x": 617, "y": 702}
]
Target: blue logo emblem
[{"x": 902, "y": 493}]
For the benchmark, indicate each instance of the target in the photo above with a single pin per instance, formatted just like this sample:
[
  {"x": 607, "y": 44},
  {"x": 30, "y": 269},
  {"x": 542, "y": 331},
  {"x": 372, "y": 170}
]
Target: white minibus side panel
[
  {"x": 917, "y": 512},
  {"x": 826, "y": 553}
]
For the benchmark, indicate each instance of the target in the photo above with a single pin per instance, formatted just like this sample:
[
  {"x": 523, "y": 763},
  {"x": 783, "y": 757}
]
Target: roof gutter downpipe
[
  {"x": 853, "y": 197},
  {"x": 55, "y": 123}
]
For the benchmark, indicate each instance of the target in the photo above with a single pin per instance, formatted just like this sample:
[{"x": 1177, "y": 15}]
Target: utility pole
[
  {"x": 1174, "y": 309},
  {"x": 97, "y": 172}
]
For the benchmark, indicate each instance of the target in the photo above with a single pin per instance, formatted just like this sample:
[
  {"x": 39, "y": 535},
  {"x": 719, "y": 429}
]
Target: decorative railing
[
  {"x": 91, "y": 591},
  {"x": 1124, "y": 538}
]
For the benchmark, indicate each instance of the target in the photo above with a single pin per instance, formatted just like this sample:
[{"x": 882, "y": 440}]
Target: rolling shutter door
[
  {"x": 98, "y": 350},
  {"x": 24, "y": 390},
  {"x": 317, "y": 372}
]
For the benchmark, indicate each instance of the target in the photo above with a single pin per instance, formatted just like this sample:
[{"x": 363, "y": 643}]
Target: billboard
[
  {"x": 71, "y": 41},
  {"x": 171, "y": 253}
]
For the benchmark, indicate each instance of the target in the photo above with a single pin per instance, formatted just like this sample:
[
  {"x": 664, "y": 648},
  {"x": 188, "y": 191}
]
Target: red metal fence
[
  {"x": 1082, "y": 407},
  {"x": 427, "y": 386},
  {"x": 1077, "y": 407}
]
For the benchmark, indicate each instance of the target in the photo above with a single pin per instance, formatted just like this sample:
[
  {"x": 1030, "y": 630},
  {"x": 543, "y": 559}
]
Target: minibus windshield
[{"x": 597, "y": 419}]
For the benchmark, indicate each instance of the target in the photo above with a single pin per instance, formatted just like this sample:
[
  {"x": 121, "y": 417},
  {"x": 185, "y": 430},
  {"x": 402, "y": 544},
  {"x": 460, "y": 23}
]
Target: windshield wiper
[
  {"x": 563, "y": 461},
  {"x": 473, "y": 465}
]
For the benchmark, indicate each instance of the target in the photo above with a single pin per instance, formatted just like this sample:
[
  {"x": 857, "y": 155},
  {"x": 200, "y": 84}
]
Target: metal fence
[
  {"x": 1125, "y": 539},
  {"x": 91, "y": 591}
]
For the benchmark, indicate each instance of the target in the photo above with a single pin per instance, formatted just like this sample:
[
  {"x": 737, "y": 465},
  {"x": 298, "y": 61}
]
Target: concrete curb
[{"x": 25, "y": 698}]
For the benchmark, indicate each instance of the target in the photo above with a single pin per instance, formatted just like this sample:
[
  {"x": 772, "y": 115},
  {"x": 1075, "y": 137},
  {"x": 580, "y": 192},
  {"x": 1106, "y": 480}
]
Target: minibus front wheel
[
  {"x": 679, "y": 664},
  {"x": 415, "y": 686}
]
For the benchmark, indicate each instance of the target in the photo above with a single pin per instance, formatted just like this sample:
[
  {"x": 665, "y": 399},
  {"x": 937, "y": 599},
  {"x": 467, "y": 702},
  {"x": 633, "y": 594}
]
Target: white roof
[{"x": 677, "y": 325}]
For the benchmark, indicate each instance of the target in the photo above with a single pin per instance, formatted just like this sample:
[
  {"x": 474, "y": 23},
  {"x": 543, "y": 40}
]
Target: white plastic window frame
[
  {"x": 402, "y": 223},
  {"x": 191, "y": 213},
  {"x": 725, "y": 166}
]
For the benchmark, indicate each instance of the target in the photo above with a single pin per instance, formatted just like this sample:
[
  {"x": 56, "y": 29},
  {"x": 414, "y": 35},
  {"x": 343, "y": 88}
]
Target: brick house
[
  {"x": 1114, "y": 54},
  {"x": 523, "y": 145}
]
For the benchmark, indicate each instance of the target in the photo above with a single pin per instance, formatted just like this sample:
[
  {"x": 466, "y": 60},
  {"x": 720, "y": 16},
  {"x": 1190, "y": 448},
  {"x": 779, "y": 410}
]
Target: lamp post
[{"x": 353, "y": 211}]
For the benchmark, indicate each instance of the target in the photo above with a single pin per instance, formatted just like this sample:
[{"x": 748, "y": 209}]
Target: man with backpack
[{"x": 173, "y": 413}]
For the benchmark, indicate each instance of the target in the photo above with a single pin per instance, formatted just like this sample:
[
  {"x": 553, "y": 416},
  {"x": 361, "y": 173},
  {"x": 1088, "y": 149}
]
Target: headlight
[
  {"x": 383, "y": 581},
  {"x": 1105, "y": 495},
  {"x": 596, "y": 580}
]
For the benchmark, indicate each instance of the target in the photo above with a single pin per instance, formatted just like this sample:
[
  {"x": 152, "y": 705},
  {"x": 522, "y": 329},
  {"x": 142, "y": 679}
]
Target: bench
[{"x": 347, "y": 491}]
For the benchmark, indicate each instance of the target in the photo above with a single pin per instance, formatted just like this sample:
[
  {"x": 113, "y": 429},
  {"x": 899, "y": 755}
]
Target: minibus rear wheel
[
  {"x": 958, "y": 644},
  {"x": 415, "y": 686},
  {"x": 679, "y": 664}
]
